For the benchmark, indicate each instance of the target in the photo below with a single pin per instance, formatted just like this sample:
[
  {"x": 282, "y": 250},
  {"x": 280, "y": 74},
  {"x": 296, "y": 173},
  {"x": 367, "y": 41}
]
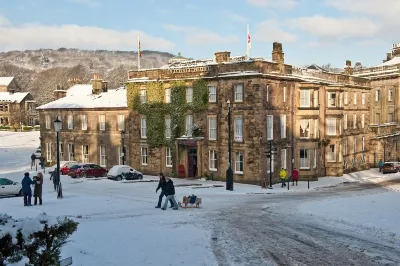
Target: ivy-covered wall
[{"x": 156, "y": 110}]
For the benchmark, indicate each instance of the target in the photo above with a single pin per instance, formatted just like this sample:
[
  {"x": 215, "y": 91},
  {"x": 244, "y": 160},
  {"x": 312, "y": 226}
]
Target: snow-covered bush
[{"x": 33, "y": 241}]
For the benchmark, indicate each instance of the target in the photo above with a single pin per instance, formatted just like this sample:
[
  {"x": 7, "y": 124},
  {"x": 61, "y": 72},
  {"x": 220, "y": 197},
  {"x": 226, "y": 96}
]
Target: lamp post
[
  {"x": 57, "y": 127},
  {"x": 229, "y": 172},
  {"x": 123, "y": 147}
]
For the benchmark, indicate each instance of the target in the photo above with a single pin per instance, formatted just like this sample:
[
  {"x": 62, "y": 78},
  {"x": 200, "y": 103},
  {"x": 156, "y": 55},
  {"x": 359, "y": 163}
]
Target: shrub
[
  {"x": 34, "y": 241},
  {"x": 27, "y": 128},
  {"x": 37, "y": 127},
  {"x": 4, "y": 127}
]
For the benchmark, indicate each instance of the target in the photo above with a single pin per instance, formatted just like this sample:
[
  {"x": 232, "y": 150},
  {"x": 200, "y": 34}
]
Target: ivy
[{"x": 156, "y": 110}]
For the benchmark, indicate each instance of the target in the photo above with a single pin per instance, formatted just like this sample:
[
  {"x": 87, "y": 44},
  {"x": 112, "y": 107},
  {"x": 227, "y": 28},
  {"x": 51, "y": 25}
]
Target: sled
[{"x": 190, "y": 202}]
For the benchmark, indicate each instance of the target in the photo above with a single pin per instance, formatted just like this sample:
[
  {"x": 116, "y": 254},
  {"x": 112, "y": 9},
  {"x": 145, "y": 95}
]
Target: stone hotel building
[{"x": 176, "y": 119}]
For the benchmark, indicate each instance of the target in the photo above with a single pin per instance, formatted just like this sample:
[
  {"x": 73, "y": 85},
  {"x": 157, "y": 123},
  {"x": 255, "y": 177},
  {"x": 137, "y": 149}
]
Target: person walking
[
  {"x": 37, "y": 192},
  {"x": 56, "y": 180},
  {"x": 380, "y": 165},
  {"x": 161, "y": 185},
  {"x": 33, "y": 159},
  {"x": 282, "y": 174},
  {"x": 170, "y": 193},
  {"x": 295, "y": 176},
  {"x": 26, "y": 189}
]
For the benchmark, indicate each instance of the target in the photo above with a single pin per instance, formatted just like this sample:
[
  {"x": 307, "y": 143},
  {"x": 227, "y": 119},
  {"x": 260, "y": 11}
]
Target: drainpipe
[{"x": 292, "y": 114}]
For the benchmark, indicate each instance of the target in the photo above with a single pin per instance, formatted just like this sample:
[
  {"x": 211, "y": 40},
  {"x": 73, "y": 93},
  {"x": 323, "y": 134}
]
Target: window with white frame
[
  {"x": 315, "y": 158},
  {"x": 362, "y": 143},
  {"x": 168, "y": 157},
  {"x": 345, "y": 146},
  {"x": 272, "y": 164},
  {"x": 189, "y": 94},
  {"x": 85, "y": 153},
  {"x": 363, "y": 98},
  {"x": 354, "y": 145},
  {"x": 283, "y": 126},
  {"x": 238, "y": 92},
  {"x": 355, "y": 98},
  {"x": 354, "y": 121},
  {"x": 48, "y": 122},
  {"x": 102, "y": 122},
  {"x": 284, "y": 94},
  {"x": 143, "y": 154},
  {"x": 331, "y": 99},
  {"x": 331, "y": 122},
  {"x": 267, "y": 94},
  {"x": 70, "y": 121},
  {"x": 316, "y": 128},
  {"x": 305, "y": 98},
  {"x": 143, "y": 95},
  {"x": 345, "y": 121},
  {"x": 121, "y": 122},
  {"x": 331, "y": 153},
  {"x": 340, "y": 126},
  {"x": 167, "y": 127},
  {"x": 390, "y": 95},
  {"x": 362, "y": 120},
  {"x": 213, "y": 160},
  {"x": 61, "y": 150},
  {"x": 238, "y": 125},
  {"x": 143, "y": 127},
  {"x": 168, "y": 95},
  {"x": 71, "y": 152},
  {"x": 340, "y": 99},
  {"x": 304, "y": 159},
  {"x": 377, "y": 95},
  {"x": 189, "y": 125},
  {"x": 212, "y": 94},
  {"x": 212, "y": 128},
  {"x": 84, "y": 123},
  {"x": 103, "y": 156},
  {"x": 48, "y": 152},
  {"x": 270, "y": 127},
  {"x": 239, "y": 162},
  {"x": 315, "y": 98},
  {"x": 304, "y": 128},
  {"x": 283, "y": 158},
  {"x": 346, "y": 97}
]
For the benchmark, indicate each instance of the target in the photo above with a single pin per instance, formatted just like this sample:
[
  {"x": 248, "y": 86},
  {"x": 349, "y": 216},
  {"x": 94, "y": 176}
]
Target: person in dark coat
[
  {"x": 295, "y": 176},
  {"x": 33, "y": 158},
  {"x": 26, "y": 189},
  {"x": 37, "y": 192},
  {"x": 56, "y": 180},
  {"x": 169, "y": 191},
  {"x": 161, "y": 185}
]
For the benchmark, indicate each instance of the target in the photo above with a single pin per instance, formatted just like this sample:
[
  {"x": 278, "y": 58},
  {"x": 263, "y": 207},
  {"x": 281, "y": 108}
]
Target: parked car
[
  {"x": 391, "y": 167},
  {"x": 8, "y": 187},
  {"x": 87, "y": 170},
  {"x": 119, "y": 172},
  {"x": 64, "y": 167}
]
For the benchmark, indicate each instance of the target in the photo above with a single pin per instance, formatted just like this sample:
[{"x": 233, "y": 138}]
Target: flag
[{"x": 248, "y": 38}]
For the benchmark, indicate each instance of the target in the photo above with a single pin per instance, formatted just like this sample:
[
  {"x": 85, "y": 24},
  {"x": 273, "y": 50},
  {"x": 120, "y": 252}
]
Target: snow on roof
[
  {"x": 393, "y": 61},
  {"x": 5, "y": 81},
  {"x": 80, "y": 89},
  {"x": 16, "y": 97},
  {"x": 110, "y": 99}
]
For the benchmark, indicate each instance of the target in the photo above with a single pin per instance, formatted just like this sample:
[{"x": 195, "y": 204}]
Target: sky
[{"x": 311, "y": 31}]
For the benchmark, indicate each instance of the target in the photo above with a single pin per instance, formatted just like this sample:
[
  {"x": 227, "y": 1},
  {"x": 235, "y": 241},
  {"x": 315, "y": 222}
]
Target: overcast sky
[{"x": 312, "y": 31}]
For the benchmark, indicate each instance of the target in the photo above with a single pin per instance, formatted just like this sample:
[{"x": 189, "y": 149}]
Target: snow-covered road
[{"x": 273, "y": 230}]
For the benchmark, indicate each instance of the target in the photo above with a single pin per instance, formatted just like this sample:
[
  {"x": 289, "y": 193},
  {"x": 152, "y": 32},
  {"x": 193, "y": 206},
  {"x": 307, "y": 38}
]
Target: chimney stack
[
  {"x": 97, "y": 84},
  {"x": 277, "y": 53},
  {"x": 396, "y": 50},
  {"x": 222, "y": 57},
  {"x": 59, "y": 92},
  {"x": 348, "y": 70}
]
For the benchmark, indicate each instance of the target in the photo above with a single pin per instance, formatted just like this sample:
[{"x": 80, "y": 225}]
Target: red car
[{"x": 87, "y": 170}]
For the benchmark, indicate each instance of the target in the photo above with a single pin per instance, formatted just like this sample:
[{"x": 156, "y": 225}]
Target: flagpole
[
  {"x": 248, "y": 42},
  {"x": 138, "y": 51}
]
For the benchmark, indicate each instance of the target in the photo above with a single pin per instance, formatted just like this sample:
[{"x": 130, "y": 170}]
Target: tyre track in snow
[{"x": 268, "y": 230}]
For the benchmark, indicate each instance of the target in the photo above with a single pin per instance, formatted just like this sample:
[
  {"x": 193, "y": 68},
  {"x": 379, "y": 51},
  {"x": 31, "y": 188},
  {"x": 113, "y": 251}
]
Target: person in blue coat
[{"x": 26, "y": 189}]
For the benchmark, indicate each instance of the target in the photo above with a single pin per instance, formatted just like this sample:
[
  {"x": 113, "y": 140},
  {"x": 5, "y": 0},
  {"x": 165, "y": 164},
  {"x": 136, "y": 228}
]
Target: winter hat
[{"x": 26, "y": 174}]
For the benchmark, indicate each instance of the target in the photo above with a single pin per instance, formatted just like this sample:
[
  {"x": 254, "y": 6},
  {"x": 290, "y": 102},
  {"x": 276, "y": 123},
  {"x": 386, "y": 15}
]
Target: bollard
[
  {"x": 288, "y": 183},
  {"x": 308, "y": 182},
  {"x": 36, "y": 165}
]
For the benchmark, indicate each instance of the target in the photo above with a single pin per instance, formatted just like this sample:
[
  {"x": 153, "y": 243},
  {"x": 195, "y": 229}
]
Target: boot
[{"x": 157, "y": 207}]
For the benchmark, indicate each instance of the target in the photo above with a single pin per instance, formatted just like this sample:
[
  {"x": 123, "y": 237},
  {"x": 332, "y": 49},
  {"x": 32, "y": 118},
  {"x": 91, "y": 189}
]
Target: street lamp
[
  {"x": 123, "y": 147},
  {"x": 229, "y": 172},
  {"x": 57, "y": 127}
]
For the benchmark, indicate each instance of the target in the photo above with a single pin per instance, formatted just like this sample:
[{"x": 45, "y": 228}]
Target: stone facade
[{"x": 299, "y": 104}]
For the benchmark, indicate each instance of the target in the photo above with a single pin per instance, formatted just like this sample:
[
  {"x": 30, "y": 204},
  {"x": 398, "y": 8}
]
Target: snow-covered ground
[{"x": 118, "y": 224}]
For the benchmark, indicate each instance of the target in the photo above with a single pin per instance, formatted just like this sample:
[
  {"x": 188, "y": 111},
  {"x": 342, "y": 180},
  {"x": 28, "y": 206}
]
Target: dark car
[
  {"x": 119, "y": 172},
  {"x": 390, "y": 167},
  {"x": 87, "y": 170}
]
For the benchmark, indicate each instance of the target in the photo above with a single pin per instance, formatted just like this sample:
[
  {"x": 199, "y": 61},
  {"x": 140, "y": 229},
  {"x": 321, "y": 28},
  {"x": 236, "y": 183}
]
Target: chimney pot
[{"x": 277, "y": 53}]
